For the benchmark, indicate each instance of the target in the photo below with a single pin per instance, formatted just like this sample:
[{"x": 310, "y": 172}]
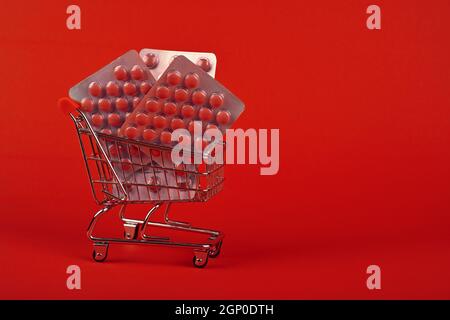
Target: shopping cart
[{"x": 123, "y": 172}]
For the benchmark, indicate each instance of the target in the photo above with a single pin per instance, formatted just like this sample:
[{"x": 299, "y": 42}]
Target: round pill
[
  {"x": 170, "y": 108},
  {"x": 180, "y": 95},
  {"x": 216, "y": 100},
  {"x": 114, "y": 120},
  {"x": 87, "y": 105},
  {"x": 112, "y": 89},
  {"x": 135, "y": 102},
  {"x": 152, "y": 105},
  {"x": 191, "y": 80},
  {"x": 126, "y": 164},
  {"x": 223, "y": 117},
  {"x": 166, "y": 137},
  {"x": 122, "y": 104},
  {"x": 176, "y": 123},
  {"x": 97, "y": 120},
  {"x": 145, "y": 87},
  {"x": 105, "y": 105},
  {"x": 129, "y": 88},
  {"x": 159, "y": 122},
  {"x": 187, "y": 111},
  {"x": 95, "y": 89},
  {"x": 173, "y": 77},
  {"x": 151, "y": 60},
  {"x": 162, "y": 92},
  {"x": 131, "y": 132},
  {"x": 120, "y": 72},
  {"x": 137, "y": 73},
  {"x": 149, "y": 134},
  {"x": 205, "y": 114},
  {"x": 198, "y": 97},
  {"x": 142, "y": 119},
  {"x": 204, "y": 64}
]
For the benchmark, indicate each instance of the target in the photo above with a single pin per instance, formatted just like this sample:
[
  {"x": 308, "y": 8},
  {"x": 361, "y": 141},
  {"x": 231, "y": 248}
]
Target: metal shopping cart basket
[{"x": 123, "y": 172}]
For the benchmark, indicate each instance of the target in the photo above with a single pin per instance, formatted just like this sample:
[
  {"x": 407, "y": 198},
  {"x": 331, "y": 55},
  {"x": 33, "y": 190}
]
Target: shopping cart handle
[{"x": 67, "y": 105}]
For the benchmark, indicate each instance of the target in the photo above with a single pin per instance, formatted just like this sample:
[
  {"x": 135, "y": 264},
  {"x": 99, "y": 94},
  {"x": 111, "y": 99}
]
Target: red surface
[{"x": 364, "y": 171}]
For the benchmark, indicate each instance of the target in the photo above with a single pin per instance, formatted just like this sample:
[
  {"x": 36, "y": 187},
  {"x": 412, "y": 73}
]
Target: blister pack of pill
[
  {"x": 183, "y": 94},
  {"x": 110, "y": 94},
  {"x": 158, "y": 60}
]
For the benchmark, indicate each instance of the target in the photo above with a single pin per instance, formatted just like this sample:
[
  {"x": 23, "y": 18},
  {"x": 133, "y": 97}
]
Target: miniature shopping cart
[{"x": 123, "y": 172}]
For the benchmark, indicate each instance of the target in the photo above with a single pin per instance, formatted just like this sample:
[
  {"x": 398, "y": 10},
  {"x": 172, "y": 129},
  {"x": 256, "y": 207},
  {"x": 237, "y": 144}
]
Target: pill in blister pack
[
  {"x": 110, "y": 94},
  {"x": 158, "y": 60},
  {"x": 183, "y": 94}
]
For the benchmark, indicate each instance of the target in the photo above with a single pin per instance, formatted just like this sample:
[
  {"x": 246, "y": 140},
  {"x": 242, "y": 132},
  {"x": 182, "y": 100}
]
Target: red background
[{"x": 364, "y": 119}]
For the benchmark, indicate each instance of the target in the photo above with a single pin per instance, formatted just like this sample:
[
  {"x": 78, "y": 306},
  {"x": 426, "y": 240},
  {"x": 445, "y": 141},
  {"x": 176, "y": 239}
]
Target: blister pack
[
  {"x": 110, "y": 94},
  {"x": 183, "y": 94},
  {"x": 158, "y": 60}
]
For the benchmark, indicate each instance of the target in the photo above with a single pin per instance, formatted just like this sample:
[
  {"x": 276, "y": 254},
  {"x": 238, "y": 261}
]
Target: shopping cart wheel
[
  {"x": 200, "y": 259},
  {"x": 215, "y": 250},
  {"x": 100, "y": 252}
]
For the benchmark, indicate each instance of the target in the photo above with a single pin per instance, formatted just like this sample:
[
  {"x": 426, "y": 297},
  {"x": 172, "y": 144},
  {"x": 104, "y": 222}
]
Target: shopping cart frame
[{"x": 104, "y": 175}]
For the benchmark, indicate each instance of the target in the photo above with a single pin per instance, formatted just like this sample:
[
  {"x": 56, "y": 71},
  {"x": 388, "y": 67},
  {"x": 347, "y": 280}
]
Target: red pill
[
  {"x": 205, "y": 114},
  {"x": 142, "y": 119},
  {"x": 159, "y": 122},
  {"x": 162, "y": 92},
  {"x": 129, "y": 88},
  {"x": 198, "y": 97},
  {"x": 180, "y": 95},
  {"x": 176, "y": 123},
  {"x": 187, "y": 111},
  {"x": 127, "y": 164},
  {"x": 135, "y": 102},
  {"x": 166, "y": 137},
  {"x": 137, "y": 73},
  {"x": 95, "y": 89},
  {"x": 120, "y": 72},
  {"x": 131, "y": 132},
  {"x": 204, "y": 64},
  {"x": 216, "y": 100},
  {"x": 145, "y": 87},
  {"x": 191, "y": 80},
  {"x": 151, "y": 60},
  {"x": 149, "y": 134},
  {"x": 114, "y": 120},
  {"x": 122, "y": 104},
  {"x": 97, "y": 120},
  {"x": 173, "y": 77},
  {"x": 87, "y": 105},
  {"x": 223, "y": 117},
  {"x": 170, "y": 108},
  {"x": 112, "y": 89},
  {"x": 105, "y": 105},
  {"x": 152, "y": 105}
]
